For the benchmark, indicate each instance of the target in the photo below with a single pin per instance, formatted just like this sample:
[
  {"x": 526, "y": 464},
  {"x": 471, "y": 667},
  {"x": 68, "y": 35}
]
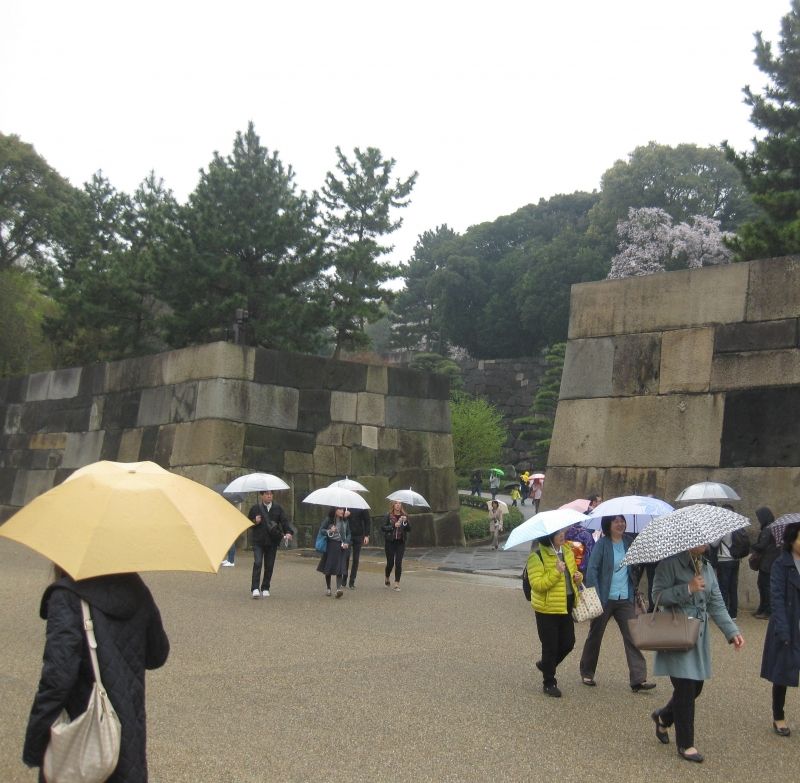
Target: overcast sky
[{"x": 496, "y": 104}]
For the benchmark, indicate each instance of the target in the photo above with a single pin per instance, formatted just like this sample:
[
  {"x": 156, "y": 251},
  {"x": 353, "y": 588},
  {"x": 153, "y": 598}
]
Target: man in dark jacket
[
  {"x": 271, "y": 527},
  {"x": 130, "y": 639},
  {"x": 360, "y": 522}
]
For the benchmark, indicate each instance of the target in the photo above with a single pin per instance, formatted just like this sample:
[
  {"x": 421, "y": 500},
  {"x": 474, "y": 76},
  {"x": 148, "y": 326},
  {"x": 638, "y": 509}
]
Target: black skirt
[{"x": 334, "y": 560}]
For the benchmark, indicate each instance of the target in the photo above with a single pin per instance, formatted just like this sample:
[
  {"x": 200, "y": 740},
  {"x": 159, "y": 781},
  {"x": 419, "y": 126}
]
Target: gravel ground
[{"x": 434, "y": 683}]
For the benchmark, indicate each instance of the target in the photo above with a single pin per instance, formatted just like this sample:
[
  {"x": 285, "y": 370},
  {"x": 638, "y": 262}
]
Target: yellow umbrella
[{"x": 117, "y": 517}]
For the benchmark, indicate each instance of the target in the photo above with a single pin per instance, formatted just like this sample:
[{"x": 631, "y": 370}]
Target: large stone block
[
  {"x": 440, "y": 451},
  {"x": 686, "y": 356},
  {"x": 342, "y": 458},
  {"x": 344, "y": 406},
  {"x": 71, "y": 415},
  {"x": 588, "y": 368},
  {"x": 13, "y": 419},
  {"x": 774, "y": 288},
  {"x": 29, "y": 484},
  {"x": 110, "y": 449},
  {"x": 48, "y": 440},
  {"x": 82, "y": 448},
  {"x": 96, "y": 413},
  {"x": 298, "y": 462},
  {"x": 387, "y": 438},
  {"x": 449, "y": 530},
  {"x": 53, "y": 385},
  {"x": 120, "y": 410},
  {"x": 13, "y": 390},
  {"x": 208, "y": 441},
  {"x": 344, "y": 376},
  {"x": 135, "y": 373},
  {"x": 637, "y": 360},
  {"x": 651, "y": 431},
  {"x": 369, "y": 437},
  {"x": 418, "y": 414},
  {"x": 263, "y": 460},
  {"x": 748, "y": 370},
  {"x": 130, "y": 445},
  {"x": 271, "y": 406},
  {"x": 371, "y": 409},
  {"x": 266, "y": 366},
  {"x": 167, "y": 404},
  {"x": 761, "y": 428},
  {"x": 147, "y": 445},
  {"x": 277, "y": 439},
  {"x": 407, "y": 383},
  {"x": 423, "y": 531},
  {"x": 214, "y": 360},
  {"x": 93, "y": 380},
  {"x": 331, "y": 436},
  {"x": 362, "y": 461},
  {"x": 377, "y": 379},
  {"x": 760, "y": 336},
  {"x": 300, "y": 371},
  {"x": 674, "y": 300},
  {"x": 413, "y": 449},
  {"x": 325, "y": 460}
]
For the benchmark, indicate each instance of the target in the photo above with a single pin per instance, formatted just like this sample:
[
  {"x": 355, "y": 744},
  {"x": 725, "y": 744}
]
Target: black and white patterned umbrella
[
  {"x": 779, "y": 525},
  {"x": 681, "y": 530}
]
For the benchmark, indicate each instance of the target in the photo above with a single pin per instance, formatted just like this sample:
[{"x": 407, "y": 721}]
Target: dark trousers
[
  {"x": 557, "y": 635},
  {"x": 355, "y": 546},
  {"x": 394, "y": 558},
  {"x": 778, "y": 700},
  {"x": 764, "y": 606},
  {"x": 263, "y": 554},
  {"x": 728, "y": 578},
  {"x": 680, "y": 710},
  {"x": 621, "y": 611}
]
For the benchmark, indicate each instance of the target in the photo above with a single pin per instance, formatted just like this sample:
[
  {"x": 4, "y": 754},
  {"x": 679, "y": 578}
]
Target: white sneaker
[
  {"x": 265, "y": 593},
  {"x": 227, "y": 563},
  {"x": 256, "y": 594}
]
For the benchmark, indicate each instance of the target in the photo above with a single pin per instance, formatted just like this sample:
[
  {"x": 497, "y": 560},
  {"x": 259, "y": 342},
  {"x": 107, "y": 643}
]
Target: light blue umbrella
[
  {"x": 545, "y": 523},
  {"x": 638, "y": 511}
]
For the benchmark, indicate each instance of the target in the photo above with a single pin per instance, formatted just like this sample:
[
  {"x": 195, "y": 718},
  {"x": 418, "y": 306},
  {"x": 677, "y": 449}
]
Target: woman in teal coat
[{"x": 687, "y": 582}]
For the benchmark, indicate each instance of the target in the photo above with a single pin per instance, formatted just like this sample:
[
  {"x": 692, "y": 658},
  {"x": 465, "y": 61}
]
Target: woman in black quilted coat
[{"x": 130, "y": 639}]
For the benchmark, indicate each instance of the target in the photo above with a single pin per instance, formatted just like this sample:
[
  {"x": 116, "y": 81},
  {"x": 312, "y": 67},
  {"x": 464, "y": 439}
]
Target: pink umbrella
[{"x": 580, "y": 504}]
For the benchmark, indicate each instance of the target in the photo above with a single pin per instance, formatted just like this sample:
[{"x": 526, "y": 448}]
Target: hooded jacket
[
  {"x": 548, "y": 584},
  {"x": 765, "y": 544},
  {"x": 130, "y": 639}
]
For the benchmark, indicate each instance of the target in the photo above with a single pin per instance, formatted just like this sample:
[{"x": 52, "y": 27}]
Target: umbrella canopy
[
  {"x": 112, "y": 518},
  {"x": 498, "y": 471},
  {"x": 538, "y": 476},
  {"x": 348, "y": 483},
  {"x": 545, "y": 523},
  {"x": 256, "y": 482},
  {"x": 579, "y": 504},
  {"x": 409, "y": 497},
  {"x": 231, "y": 497},
  {"x": 638, "y": 511},
  {"x": 707, "y": 490},
  {"x": 501, "y": 505},
  {"x": 336, "y": 497},
  {"x": 681, "y": 530},
  {"x": 779, "y": 525}
]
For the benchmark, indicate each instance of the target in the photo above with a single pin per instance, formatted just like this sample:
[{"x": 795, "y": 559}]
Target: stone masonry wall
[
  {"x": 681, "y": 377},
  {"x": 215, "y": 411},
  {"x": 510, "y": 385}
]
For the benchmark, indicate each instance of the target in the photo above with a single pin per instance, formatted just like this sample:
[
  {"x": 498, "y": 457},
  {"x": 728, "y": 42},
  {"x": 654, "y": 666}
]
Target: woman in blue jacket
[
  {"x": 615, "y": 589},
  {"x": 780, "y": 663}
]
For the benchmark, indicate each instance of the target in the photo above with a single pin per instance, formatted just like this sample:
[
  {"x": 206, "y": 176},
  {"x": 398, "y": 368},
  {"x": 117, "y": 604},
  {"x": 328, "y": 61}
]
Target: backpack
[
  {"x": 740, "y": 544},
  {"x": 526, "y": 585}
]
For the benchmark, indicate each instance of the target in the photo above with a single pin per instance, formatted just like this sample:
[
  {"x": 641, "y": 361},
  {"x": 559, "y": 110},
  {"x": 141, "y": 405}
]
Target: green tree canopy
[
  {"x": 771, "y": 172},
  {"x": 249, "y": 239},
  {"x": 359, "y": 200},
  {"x": 33, "y": 197},
  {"x": 478, "y": 432}
]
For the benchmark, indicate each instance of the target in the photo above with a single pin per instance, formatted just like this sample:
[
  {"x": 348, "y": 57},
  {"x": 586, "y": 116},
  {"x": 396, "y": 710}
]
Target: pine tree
[{"x": 771, "y": 172}]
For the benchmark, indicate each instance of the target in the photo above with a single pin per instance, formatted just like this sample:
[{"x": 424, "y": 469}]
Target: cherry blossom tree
[{"x": 650, "y": 242}]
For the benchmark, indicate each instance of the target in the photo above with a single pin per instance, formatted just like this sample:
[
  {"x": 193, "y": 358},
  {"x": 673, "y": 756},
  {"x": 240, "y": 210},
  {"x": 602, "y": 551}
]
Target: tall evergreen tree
[
  {"x": 771, "y": 172},
  {"x": 249, "y": 240},
  {"x": 359, "y": 200},
  {"x": 416, "y": 313}
]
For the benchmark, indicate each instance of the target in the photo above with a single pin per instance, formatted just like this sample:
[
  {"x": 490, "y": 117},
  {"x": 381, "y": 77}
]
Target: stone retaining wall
[
  {"x": 215, "y": 411},
  {"x": 676, "y": 378}
]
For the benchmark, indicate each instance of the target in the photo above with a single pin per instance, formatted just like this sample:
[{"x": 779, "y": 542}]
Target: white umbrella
[
  {"x": 638, "y": 511},
  {"x": 502, "y": 505},
  {"x": 256, "y": 482},
  {"x": 409, "y": 497},
  {"x": 336, "y": 497},
  {"x": 348, "y": 483},
  {"x": 681, "y": 530},
  {"x": 545, "y": 523},
  {"x": 707, "y": 490}
]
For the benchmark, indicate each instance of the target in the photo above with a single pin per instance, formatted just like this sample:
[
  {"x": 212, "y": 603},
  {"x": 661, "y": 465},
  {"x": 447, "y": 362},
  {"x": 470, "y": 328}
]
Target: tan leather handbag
[
  {"x": 85, "y": 750},
  {"x": 665, "y": 631}
]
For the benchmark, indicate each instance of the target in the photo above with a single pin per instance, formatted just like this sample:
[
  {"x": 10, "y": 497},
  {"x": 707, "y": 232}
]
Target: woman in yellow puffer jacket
[{"x": 554, "y": 579}]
